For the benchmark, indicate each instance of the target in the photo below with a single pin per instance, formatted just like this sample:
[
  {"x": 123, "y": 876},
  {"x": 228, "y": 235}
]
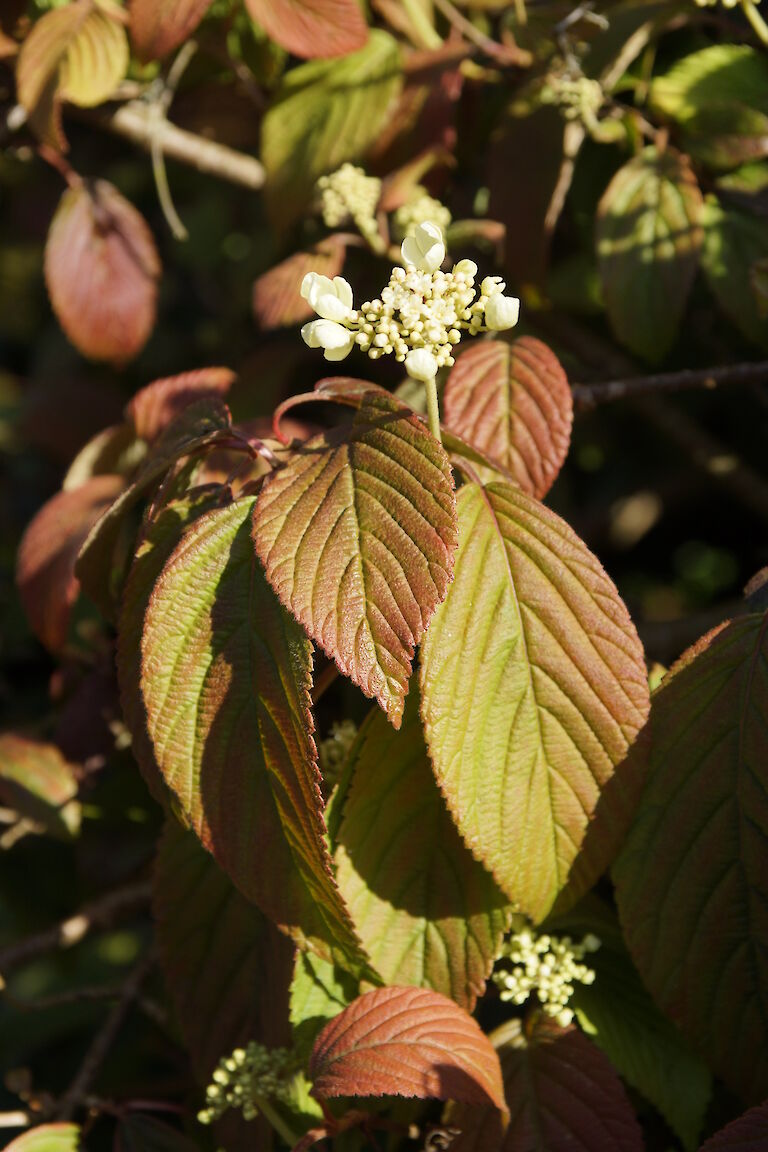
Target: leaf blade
[{"x": 311, "y": 28}]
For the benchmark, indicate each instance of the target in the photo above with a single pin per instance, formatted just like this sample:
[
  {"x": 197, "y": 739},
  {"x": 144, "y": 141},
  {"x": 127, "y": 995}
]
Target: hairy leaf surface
[
  {"x": 406, "y": 1042},
  {"x": 160, "y": 26},
  {"x": 648, "y": 242},
  {"x": 226, "y": 965},
  {"x": 101, "y": 270},
  {"x": 39, "y": 784},
  {"x": 311, "y": 28},
  {"x": 226, "y": 676},
  {"x": 513, "y": 403},
  {"x": 561, "y": 1092},
  {"x": 697, "y": 921},
  {"x": 427, "y": 912},
  {"x": 533, "y": 687},
  {"x": 45, "y": 567},
  {"x": 155, "y": 407},
  {"x": 357, "y": 535},
  {"x": 326, "y": 112},
  {"x": 747, "y": 1134}
]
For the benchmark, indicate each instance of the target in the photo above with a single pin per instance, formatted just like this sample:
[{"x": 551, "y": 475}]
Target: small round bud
[
  {"x": 502, "y": 313},
  {"x": 420, "y": 364}
]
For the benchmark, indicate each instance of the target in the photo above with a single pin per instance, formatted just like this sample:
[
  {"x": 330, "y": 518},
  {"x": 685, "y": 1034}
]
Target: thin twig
[
  {"x": 160, "y": 108},
  {"x": 502, "y": 53},
  {"x": 74, "y": 928},
  {"x": 588, "y": 396},
  {"x": 103, "y": 1041}
]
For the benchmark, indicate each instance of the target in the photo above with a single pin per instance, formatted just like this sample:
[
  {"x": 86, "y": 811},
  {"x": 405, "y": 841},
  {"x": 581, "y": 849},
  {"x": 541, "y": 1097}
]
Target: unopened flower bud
[
  {"x": 421, "y": 364},
  {"x": 502, "y": 312},
  {"x": 336, "y": 340},
  {"x": 424, "y": 250}
]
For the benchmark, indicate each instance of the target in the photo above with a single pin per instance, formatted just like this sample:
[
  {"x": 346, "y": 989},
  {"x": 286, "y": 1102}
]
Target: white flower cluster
[
  {"x": 348, "y": 194},
  {"x": 333, "y": 751},
  {"x": 544, "y": 966},
  {"x": 420, "y": 315},
  {"x": 248, "y": 1073},
  {"x": 578, "y": 99},
  {"x": 420, "y": 209}
]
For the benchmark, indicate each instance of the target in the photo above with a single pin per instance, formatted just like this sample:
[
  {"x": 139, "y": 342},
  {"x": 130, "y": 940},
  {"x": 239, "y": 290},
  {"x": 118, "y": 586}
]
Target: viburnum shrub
[{"x": 431, "y": 866}]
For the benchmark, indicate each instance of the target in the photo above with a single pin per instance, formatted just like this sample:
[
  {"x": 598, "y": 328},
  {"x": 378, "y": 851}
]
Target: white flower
[
  {"x": 336, "y": 340},
  {"x": 424, "y": 250},
  {"x": 502, "y": 312},
  {"x": 331, "y": 299},
  {"x": 421, "y": 364}
]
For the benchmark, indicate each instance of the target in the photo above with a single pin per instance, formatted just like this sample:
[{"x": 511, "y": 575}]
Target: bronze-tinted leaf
[
  {"x": 406, "y": 1042},
  {"x": 45, "y": 567},
  {"x": 38, "y": 783},
  {"x": 533, "y": 686},
  {"x": 155, "y": 407},
  {"x": 561, "y": 1092},
  {"x": 277, "y": 299},
  {"x": 513, "y": 403},
  {"x": 747, "y": 1134},
  {"x": 357, "y": 534},
  {"x": 227, "y": 967},
  {"x": 428, "y": 914},
  {"x": 226, "y": 676},
  {"x": 311, "y": 28},
  {"x": 696, "y": 922},
  {"x": 160, "y": 26},
  {"x": 102, "y": 269}
]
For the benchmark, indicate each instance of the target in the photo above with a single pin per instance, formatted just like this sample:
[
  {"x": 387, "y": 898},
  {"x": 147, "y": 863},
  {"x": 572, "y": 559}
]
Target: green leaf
[
  {"x": 648, "y": 241},
  {"x": 312, "y": 28},
  {"x": 226, "y": 677},
  {"x": 723, "y": 136},
  {"x": 719, "y": 75},
  {"x": 357, "y": 534},
  {"x": 733, "y": 242},
  {"x": 512, "y": 402},
  {"x": 533, "y": 686},
  {"x": 38, "y": 783},
  {"x": 326, "y": 112},
  {"x": 227, "y": 967},
  {"x": 697, "y": 921},
  {"x": 47, "y": 1138},
  {"x": 561, "y": 1092},
  {"x": 319, "y": 991},
  {"x": 428, "y": 914}
]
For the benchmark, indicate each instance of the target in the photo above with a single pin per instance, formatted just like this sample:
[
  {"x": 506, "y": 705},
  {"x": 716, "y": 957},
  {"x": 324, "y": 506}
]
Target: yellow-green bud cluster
[
  {"x": 246, "y": 1074},
  {"x": 418, "y": 210},
  {"x": 578, "y": 99},
  {"x": 545, "y": 966},
  {"x": 333, "y": 751},
  {"x": 348, "y": 194}
]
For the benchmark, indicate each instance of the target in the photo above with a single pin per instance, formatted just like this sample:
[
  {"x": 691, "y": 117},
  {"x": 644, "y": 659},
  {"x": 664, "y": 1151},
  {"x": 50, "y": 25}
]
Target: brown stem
[
  {"x": 588, "y": 396},
  {"x": 502, "y": 53}
]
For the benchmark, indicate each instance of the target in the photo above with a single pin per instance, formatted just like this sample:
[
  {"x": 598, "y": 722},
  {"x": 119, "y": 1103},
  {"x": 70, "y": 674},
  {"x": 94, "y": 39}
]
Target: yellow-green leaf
[{"x": 733, "y": 241}]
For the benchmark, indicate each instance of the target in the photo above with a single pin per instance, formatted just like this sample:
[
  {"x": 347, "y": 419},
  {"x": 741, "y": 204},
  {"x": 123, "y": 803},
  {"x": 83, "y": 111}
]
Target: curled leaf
[{"x": 155, "y": 407}]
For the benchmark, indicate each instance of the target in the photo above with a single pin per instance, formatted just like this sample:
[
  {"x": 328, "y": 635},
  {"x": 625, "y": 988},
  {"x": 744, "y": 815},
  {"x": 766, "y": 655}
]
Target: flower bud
[
  {"x": 331, "y": 299},
  {"x": 502, "y": 312},
  {"x": 336, "y": 340},
  {"x": 424, "y": 250},
  {"x": 420, "y": 364},
  {"x": 468, "y": 267}
]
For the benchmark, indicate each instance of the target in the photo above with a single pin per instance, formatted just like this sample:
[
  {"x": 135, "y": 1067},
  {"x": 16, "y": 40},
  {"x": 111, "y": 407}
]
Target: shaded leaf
[
  {"x": 720, "y": 75},
  {"x": 114, "y": 450},
  {"x": 696, "y": 922},
  {"x": 47, "y": 1138},
  {"x": 102, "y": 269},
  {"x": 226, "y": 965},
  {"x": 513, "y": 403},
  {"x": 319, "y": 991},
  {"x": 199, "y": 426},
  {"x": 277, "y": 300},
  {"x": 77, "y": 53},
  {"x": 357, "y": 535},
  {"x": 226, "y": 676},
  {"x": 533, "y": 686},
  {"x": 428, "y": 914},
  {"x": 406, "y": 1042},
  {"x": 722, "y": 136},
  {"x": 561, "y": 1092},
  {"x": 747, "y": 1134},
  {"x": 45, "y": 566},
  {"x": 326, "y": 112},
  {"x": 648, "y": 242},
  {"x": 153, "y": 408},
  {"x": 311, "y": 28},
  {"x": 733, "y": 241},
  {"x": 38, "y": 783},
  {"x": 160, "y": 26},
  {"x": 138, "y": 1132}
]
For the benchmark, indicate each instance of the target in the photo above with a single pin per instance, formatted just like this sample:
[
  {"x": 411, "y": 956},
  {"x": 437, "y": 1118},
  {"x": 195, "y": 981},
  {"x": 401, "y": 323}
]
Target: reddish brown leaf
[
  {"x": 277, "y": 300},
  {"x": 38, "y": 783},
  {"x": 159, "y": 26},
  {"x": 406, "y": 1042},
  {"x": 357, "y": 534},
  {"x": 101, "y": 269},
  {"x": 562, "y": 1095},
  {"x": 45, "y": 569},
  {"x": 512, "y": 402},
  {"x": 312, "y": 28},
  {"x": 155, "y": 407},
  {"x": 747, "y": 1134}
]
